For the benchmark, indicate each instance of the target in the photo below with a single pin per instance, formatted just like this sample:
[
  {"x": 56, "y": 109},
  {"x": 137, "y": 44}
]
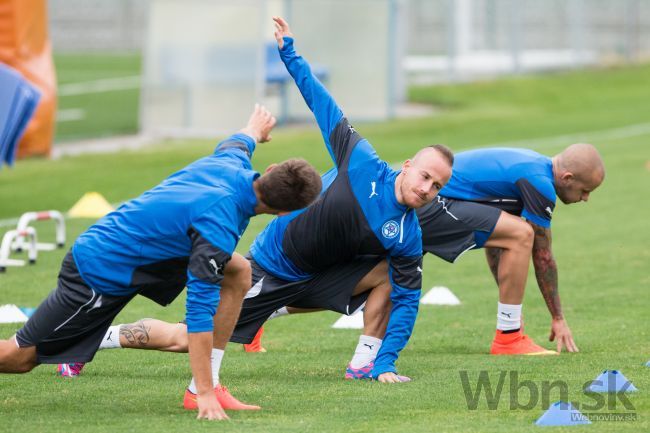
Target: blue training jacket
[
  {"x": 519, "y": 181},
  {"x": 356, "y": 214},
  {"x": 180, "y": 233}
]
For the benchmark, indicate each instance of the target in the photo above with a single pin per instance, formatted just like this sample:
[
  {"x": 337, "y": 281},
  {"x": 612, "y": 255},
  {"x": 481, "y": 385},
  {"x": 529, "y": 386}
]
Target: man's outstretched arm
[
  {"x": 547, "y": 280},
  {"x": 320, "y": 102}
]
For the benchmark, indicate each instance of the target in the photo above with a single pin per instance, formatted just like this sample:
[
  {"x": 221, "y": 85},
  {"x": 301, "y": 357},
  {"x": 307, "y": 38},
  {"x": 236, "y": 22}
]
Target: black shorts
[
  {"x": 329, "y": 290},
  {"x": 70, "y": 324},
  {"x": 451, "y": 227}
]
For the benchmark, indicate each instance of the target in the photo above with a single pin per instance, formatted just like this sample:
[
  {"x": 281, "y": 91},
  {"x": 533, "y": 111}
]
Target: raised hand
[
  {"x": 281, "y": 30},
  {"x": 260, "y": 124}
]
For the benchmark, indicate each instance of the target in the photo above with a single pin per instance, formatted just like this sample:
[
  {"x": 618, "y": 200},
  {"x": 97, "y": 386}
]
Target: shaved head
[
  {"x": 584, "y": 161},
  {"x": 577, "y": 171},
  {"x": 426, "y": 152}
]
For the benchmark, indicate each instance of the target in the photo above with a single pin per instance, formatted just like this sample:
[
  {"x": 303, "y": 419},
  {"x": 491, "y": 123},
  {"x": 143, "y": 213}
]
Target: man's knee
[
  {"x": 179, "y": 339},
  {"x": 525, "y": 235},
  {"x": 376, "y": 278},
  {"x": 16, "y": 360},
  {"x": 238, "y": 275},
  {"x": 381, "y": 273},
  {"x": 24, "y": 367},
  {"x": 511, "y": 233},
  {"x": 237, "y": 265}
]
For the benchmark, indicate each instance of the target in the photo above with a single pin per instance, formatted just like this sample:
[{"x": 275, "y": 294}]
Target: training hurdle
[
  {"x": 29, "y": 234},
  {"x": 27, "y": 218}
]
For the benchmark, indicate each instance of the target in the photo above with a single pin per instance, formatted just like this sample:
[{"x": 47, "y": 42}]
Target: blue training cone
[
  {"x": 562, "y": 413},
  {"x": 28, "y": 311},
  {"x": 611, "y": 381}
]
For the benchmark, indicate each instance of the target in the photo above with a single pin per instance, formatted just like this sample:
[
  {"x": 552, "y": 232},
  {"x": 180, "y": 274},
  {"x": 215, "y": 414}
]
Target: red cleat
[
  {"x": 516, "y": 343},
  {"x": 256, "y": 344},
  {"x": 226, "y": 400}
]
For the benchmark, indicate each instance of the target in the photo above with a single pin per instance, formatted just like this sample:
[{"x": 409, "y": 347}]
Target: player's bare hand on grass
[
  {"x": 561, "y": 334},
  {"x": 281, "y": 30},
  {"x": 209, "y": 407},
  {"x": 390, "y": 378},
  {"x": 260, "y": 124}
]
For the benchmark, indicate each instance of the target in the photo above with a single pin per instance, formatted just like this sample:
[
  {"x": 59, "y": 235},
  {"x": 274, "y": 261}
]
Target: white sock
[
  {"x": 112, "y": 338},
  {"x": 217, "y": 357},
  {"x": 508, "y": 317},
  {"x": 277, "y": 313},
  {"x": 366, "y": 351}
]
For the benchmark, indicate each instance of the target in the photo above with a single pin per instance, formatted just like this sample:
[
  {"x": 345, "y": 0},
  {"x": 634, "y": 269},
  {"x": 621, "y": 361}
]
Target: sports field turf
[
  {"x": 601, "y": 248},
  {"x": 102, "y": 113}
]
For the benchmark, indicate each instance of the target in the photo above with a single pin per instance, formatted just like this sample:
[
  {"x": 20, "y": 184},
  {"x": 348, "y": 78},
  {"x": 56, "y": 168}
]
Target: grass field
[
  {"x": 601, "y": 248},
  {"x": 103, "y": 113}
]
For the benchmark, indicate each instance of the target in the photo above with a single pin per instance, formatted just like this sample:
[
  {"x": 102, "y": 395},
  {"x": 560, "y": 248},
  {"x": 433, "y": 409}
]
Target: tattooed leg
[
  {"x": 514, "y": 238},
  {"x": 493, "y": 255},
  {"x": 154, "y": 334}
]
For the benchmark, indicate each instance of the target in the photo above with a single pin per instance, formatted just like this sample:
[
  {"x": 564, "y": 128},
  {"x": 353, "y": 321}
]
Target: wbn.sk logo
[{"x": 527, "y": 394}]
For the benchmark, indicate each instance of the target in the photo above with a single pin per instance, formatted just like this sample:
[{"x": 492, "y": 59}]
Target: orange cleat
[
  {"x": 517, "y": 343},
  {"x": 256, "y": 344},
  {"x": 226, "y": 400}
]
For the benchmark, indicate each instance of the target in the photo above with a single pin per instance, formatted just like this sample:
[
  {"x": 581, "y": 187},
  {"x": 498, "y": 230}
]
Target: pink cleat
[
  {"x": 72, "y": 369},
  {"x": 364, "y": 372}
]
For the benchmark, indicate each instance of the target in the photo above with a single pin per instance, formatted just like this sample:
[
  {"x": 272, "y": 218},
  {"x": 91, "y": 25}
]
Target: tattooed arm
[
  {"x": 546, "y": 270},
  {"x": 546, "y": 274}
]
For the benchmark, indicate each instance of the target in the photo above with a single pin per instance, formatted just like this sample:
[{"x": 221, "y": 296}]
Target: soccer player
[
  {"x": 180, "y": 233},
  {"x": 488, "y": 193},
  {"x": 360, "y": 239}
]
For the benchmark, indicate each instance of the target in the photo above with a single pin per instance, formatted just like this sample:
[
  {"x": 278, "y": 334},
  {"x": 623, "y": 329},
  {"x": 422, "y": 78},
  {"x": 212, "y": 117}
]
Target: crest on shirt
[{"x": 390, "y": 229}]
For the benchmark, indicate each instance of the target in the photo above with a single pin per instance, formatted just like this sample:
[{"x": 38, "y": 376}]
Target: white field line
[
  {"x": 586, "y": 136},
  {"x": 592, "y": 136},
  {"x": 605, "y": 134},
  {"x": 99, "y": 86},
  {"x": 71, "y": 114},
  {"x": 13, "y": 222},
  {"x": 9, "y": 222}
]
